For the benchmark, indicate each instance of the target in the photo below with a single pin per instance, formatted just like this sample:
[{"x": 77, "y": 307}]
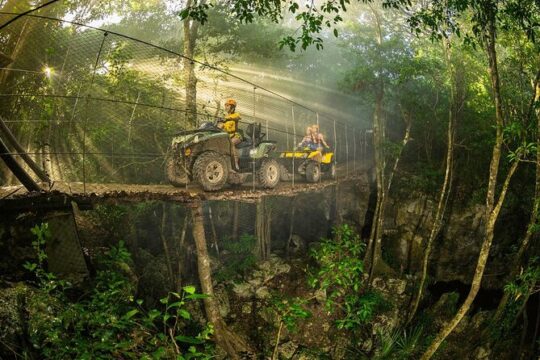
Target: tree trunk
[
  {"x": 164, "y": 242},
  {"x": 492, "y": 208},
  {"x": 262, "y": 229},
  {"x": 213, "y": 228},
  {"x": 291, "y": 228},
  {"x": 535, "y": 208},
  {"x": 445, "y": 189},
  {"x": 180, "y": 249},
  {"x": 373, "y": 253},
  {"x": 224, "y": 337},
  {"x": 235, "y": 221},
  {"x": 191, "y": 28}
]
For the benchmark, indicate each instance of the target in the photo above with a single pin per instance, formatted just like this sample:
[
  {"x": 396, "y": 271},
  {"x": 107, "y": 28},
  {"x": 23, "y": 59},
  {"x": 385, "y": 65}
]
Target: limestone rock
[
  {"x": 242, "y": 290},
  {"x": 482, "y": 354},
  {"x": 385, "y": 323},
  {"x": 262, "y": 293},
  {"x": 287, "y": 350},
  {"x": 444, "y": 308},
  {"x": 255, "y": 284},
  {"x": 339, "y": 349},
  {"x": 367, "y": 345},
  {"x": 320, "y": 295},
  {"x": 305, "y": 355},
  {"x": 246, "y": 308},
  {"x": 396, "y": 286},
  {"x": 479, "y": 319}
]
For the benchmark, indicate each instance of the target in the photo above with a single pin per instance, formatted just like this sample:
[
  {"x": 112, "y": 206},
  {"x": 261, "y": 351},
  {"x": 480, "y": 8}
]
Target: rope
[{"x": 26, "y": 13}]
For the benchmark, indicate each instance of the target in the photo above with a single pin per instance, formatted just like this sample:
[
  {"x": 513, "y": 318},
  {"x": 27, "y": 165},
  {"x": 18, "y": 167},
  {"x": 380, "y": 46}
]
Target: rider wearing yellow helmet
[
  {"x": 231, "y": 121},
  {"x": 230, "y": 125}
]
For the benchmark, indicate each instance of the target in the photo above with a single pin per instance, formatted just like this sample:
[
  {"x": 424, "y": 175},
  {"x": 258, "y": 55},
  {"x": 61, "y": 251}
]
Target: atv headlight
[{"x": 252, "y": 152}]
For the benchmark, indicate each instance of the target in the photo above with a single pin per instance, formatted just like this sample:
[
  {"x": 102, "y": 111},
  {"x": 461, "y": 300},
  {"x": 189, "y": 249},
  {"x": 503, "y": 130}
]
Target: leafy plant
[
  {"x": 47, "y": 281},
  {"x": 289, "y": 312},
  {"x": 107, "y": 322},
  {"x": 240, "y": 258},
  {"x": 340, "y": 275},
  {"x": 520, "y": 290},
  {"x": 399, "y": 344}
]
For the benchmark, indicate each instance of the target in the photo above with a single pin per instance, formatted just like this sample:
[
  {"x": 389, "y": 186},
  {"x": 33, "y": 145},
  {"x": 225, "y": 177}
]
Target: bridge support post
[
  {"x": 18, "y": 148},
  {"x": 64, "y": 251},
  {"x": 224, "y": 337},
  {"x": 16, "y": 169}
]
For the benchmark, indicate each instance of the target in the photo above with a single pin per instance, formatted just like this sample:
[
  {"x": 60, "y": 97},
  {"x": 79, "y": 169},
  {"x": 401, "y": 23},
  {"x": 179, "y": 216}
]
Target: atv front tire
[
  {"x": 211, "y": 170},
  {"x": 268, "y": 174},
  {"x": 313, "y": 172},
  {"x": 174, "y": 171}
]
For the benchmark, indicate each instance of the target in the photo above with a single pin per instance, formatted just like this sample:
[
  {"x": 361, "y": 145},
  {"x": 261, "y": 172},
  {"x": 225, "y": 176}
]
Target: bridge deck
[{"x": 16, "y": 198}]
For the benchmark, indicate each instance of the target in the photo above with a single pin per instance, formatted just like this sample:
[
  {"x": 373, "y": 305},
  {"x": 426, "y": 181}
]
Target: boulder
[{"x": 255, "y": 285}]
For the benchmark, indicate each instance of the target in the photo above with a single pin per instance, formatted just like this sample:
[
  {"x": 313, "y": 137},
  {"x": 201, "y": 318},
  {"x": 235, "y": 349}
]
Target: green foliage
[
  {"x": 519, "y": 291},
  {"x": 110, "y": 218},
  {"x": 340, "y": 275},
  {"x": 46, "y": 280},
  {"x": 526, "y": 282},
  {"x": 239, "y": 259},
  {"x": 290, "y": 311},
  {"x": 106, "y": 322},
  {"x": 400, "y": 344},
  {"x": 312, "y": 19}
]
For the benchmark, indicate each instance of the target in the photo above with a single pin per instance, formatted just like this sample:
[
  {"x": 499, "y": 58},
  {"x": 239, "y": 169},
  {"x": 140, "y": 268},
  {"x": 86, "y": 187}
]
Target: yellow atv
[{"x": 310, "y": 164}]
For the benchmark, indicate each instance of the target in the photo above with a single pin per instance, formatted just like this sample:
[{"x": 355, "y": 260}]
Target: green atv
[{"x": 206, "y": 156}]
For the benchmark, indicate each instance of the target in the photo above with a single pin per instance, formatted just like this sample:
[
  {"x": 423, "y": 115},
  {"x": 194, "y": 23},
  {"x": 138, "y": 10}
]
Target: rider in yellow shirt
[{"x": 230, "y": 125}]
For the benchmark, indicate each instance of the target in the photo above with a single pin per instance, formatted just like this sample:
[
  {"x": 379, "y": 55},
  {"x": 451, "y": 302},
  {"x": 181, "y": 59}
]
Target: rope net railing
[{"x": 95, "y": 106}]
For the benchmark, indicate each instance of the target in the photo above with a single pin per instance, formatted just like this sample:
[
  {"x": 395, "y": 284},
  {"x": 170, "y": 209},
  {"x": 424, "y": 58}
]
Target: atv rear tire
[
  {"x": 268, "y": 173},
  {"x": 284, "y": 173},
  {"x": 175, "y": 172},
  {"x": 211, "y": 170},
  {"x": 331, "y": 172},
  {"x": 313, "y": 172}
]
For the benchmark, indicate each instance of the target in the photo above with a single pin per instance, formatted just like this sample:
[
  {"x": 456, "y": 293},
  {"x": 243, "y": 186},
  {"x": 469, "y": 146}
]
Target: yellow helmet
[{"x": 230, "y": 102}]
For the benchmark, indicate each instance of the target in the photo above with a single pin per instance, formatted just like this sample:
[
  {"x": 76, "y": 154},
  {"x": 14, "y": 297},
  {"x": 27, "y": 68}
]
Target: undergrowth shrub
[
  {"x": 339, "y": 275},
  {"x": 106, "y": 322},
  {"x": 239, "y": 258}
]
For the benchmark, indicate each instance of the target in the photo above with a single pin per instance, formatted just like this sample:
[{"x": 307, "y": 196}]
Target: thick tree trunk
[{"x": 224, "y": 337}]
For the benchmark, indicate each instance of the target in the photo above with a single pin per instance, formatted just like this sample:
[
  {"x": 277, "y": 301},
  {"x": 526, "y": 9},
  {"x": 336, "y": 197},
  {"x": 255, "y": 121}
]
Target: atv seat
[
  {"x": 244, "y": 144},
  {"x": 254, "y": 133}
]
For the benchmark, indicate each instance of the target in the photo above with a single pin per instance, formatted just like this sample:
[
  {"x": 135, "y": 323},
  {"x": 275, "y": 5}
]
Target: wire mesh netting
[{"x": 95, "y": 106}]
